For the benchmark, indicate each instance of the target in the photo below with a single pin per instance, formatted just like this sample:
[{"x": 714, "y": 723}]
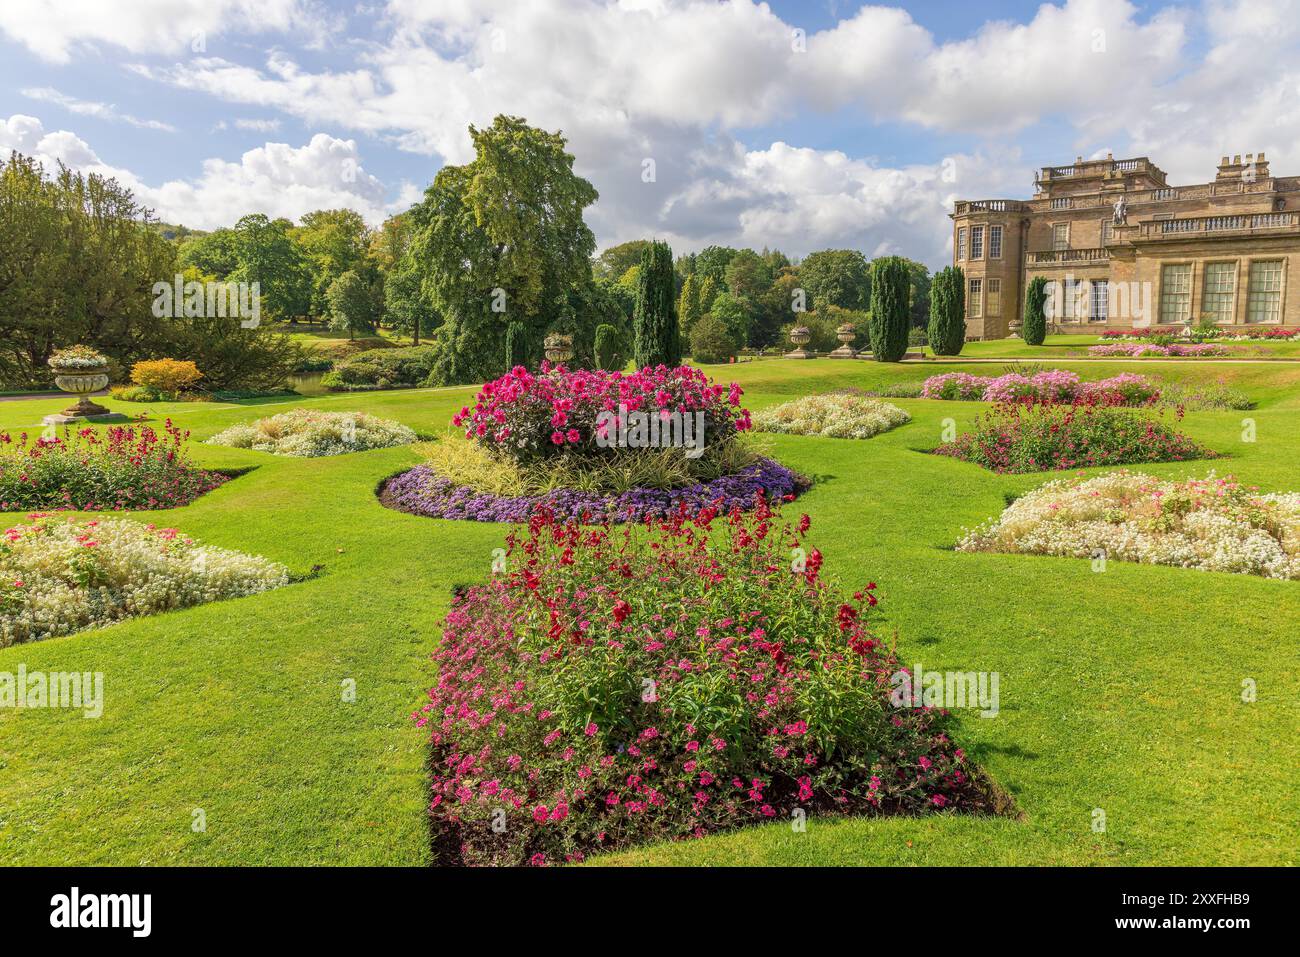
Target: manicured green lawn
[{"x": 1119, "y": 690}]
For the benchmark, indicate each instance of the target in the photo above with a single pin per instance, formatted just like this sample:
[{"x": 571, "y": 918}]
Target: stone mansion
[{"x": 1128, "y": 250}]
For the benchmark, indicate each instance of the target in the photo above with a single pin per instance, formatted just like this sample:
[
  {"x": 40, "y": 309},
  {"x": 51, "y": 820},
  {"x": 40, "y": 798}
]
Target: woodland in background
[{"x": 495, "y": 258}]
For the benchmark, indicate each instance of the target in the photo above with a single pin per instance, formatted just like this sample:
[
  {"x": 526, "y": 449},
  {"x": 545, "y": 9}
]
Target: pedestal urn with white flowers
[{"x": 80, "y": 371}]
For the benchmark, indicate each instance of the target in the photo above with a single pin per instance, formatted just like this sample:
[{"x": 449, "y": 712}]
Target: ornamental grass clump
[
  {"x": 58, "y": 576},
  {"x": 1033, "y": 436},
  {"x": 310, "y": 433},
  {"x": 836, "y": 415},
  {"x": 667, "y": 681},
  {"x": 1211, "y": 524},
  {"x": 117, "y": 468}
]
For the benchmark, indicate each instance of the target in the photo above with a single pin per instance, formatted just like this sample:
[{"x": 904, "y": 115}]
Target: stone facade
[{"x": 1124, "y": 249}]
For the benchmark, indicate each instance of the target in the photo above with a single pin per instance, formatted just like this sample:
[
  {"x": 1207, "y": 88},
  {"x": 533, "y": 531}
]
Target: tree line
[{"x": 493, "y": 259}]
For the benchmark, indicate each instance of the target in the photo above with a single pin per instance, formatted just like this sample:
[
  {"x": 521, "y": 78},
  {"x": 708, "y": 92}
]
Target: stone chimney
[{"x": 1254, "y": 169}]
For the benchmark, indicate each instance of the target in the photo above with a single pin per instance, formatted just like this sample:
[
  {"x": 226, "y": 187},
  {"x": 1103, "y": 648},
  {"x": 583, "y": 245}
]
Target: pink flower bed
[
  {"x": 529, "y": 416},
  {"x": 1053, "y": 385},
  {"x": 1136, "y": 349},
  {"x": 1224, "y": 332},
  {"x": 599, "y": 694}
]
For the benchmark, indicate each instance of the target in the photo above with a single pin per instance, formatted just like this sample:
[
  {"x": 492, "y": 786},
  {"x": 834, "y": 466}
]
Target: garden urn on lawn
[
  {"x": 846, "y": 332},
  {"x": 559, "y": 348},
  {"x": 80, "y": 371},
  {"x": 800, "y": 336}
]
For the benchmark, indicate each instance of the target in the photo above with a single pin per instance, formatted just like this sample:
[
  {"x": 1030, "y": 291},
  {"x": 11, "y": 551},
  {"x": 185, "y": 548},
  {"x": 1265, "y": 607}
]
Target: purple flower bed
[{"x": 422, "y": 491}]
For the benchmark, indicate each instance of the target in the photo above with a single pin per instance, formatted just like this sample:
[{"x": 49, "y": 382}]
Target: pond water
[{"x": 307, "y": 383}]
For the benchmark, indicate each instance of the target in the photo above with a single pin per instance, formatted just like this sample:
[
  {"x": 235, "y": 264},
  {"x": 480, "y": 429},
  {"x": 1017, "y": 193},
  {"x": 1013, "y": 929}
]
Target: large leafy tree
[
  {"x": 947, "y": 330},
  {"x": 712, "y": 262},
  {"x": 78, "y": 260},
  {"x": 919, "y": 297},
  {"x": 654, "y": 320},
  {"x": 836, "y": 277},
  {"x": 213, "y": 254},
  {"x": 334, "y": 241},
  {"x": 890, "y": 292},
  {"x": 748, "y": 275},
  {"x": 501, "y": 239},
  {"x": 736, "y": 314},
  {"x": 776, "y": 309},
  {"x": 405, "y": 303},
  {"x": 616, "y": 260},
  {"x": 268, "y": 255},
  {"x": 350, "y": 305}
]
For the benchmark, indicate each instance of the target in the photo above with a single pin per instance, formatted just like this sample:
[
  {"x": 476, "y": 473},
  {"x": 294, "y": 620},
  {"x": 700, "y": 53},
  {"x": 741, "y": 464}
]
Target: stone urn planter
[
  {"x": 800, "y": 336},
  {"x": 80, "y": 371},
  {"x": 846, "y": 332},
  {"x": 559, "y": 348}
]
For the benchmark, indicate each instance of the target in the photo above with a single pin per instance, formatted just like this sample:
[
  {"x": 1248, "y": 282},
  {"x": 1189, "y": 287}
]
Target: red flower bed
[
  {"x": 119, "y": 468},
  {"x": 528, "y": 416},
  {"x": 664, "y": 682}
]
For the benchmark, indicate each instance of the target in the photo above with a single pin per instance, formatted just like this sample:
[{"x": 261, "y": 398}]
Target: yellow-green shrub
[{"x": 166, "y": 376}]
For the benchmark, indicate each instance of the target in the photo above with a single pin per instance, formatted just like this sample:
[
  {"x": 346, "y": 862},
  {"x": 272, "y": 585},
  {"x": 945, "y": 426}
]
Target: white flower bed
[
  {"x": 1213, "y": 524},
  {"x": 836, "y": 415},
  {"x": 311, "y": 433},
  {"x": 58, "y": 576}
]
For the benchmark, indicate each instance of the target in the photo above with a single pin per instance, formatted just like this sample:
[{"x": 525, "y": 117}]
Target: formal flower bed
[
  {"x": 117, "y": 468},
  {"x": 1046, "y": 436},
  {"x": 558, "y": 410},
  {"x": 837, "y": 415},
  {"x": 598, "y": 446},
  {"x": 311, "y": 433},
  {"x": 58, "y": 576},
  {"x": 424, "y": 491},
  {"x": 1212, "y": 524},
  {"x": 1052, "y": 385},
  {"x": 599, "y": 694},
  {"x": 1220, "y": 334},
  {"x": 1136, "y": 350}
]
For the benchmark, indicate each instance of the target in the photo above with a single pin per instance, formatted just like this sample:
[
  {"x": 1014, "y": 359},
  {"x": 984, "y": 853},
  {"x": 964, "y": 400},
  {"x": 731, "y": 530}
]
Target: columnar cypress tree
[
  {"x": 608, "y": 354},
  {"x": 516, "y": 345},
  {"x": 947, "y": 329},
  {"x": 654, "y": 316},
  {"x": 890, "y": 288},
  {"x": 1034, "y": 330},
  {"x": 688, "y": 306}
]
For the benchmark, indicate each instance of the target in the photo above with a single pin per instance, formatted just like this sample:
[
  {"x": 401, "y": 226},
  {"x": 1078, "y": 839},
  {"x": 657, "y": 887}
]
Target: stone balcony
[
  {"x": 1067, "y": 257},
  {"x": 965, "y": 207},
  {"x": 1209, "y": 227}
]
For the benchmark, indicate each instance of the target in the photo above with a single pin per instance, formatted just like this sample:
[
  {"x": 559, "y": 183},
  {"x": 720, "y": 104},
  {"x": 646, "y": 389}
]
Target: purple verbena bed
[{"x": 422, "y": 491}]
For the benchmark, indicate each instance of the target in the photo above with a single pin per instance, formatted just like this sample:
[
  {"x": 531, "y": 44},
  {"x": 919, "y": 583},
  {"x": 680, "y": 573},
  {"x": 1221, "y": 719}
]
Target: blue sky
[{"x": 210, "y": 109}]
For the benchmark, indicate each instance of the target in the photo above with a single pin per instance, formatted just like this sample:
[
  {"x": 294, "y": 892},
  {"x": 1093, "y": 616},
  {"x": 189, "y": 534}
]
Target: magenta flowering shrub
[
  {"x": 601, "y": 693},
  {"x": 954, "y": 385},
  {"x": 1052, "y": 385},
  {"x": 1091, "y": 430},
  {"x": 1139, "y": 349},
  {"x": 527, "y": 416}
]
